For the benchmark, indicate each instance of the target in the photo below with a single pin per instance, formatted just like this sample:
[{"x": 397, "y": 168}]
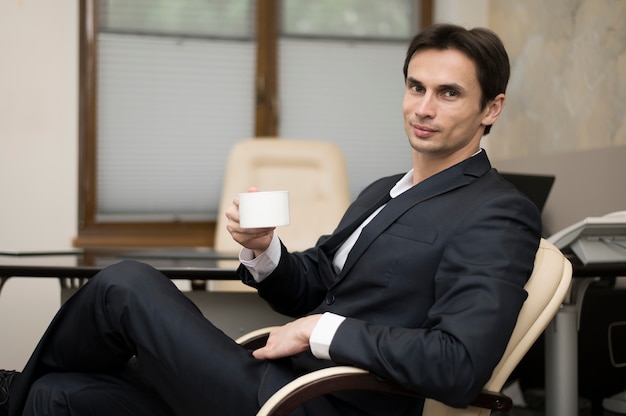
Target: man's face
[{"x": 441, "y": 105}]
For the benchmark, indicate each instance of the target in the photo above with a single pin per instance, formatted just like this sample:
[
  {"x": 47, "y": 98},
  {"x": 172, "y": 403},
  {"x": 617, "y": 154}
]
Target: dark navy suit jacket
[{"x": 431, "y": 289}]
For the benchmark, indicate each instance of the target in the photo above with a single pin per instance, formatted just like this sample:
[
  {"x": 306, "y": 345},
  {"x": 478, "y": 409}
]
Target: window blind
[
  {"x": 350, "y": 93},
  {"x": 169, "y": 109}
]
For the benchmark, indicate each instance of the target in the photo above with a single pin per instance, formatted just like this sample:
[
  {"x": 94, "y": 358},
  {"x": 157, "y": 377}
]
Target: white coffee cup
[{"x": 263, "y": 209}]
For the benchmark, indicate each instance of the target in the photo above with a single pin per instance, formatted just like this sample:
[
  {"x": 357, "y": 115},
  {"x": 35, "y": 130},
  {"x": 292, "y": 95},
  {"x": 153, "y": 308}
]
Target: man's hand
[
  {"x": 255, "y": 239},
  {"x": 289, "y": 339}
]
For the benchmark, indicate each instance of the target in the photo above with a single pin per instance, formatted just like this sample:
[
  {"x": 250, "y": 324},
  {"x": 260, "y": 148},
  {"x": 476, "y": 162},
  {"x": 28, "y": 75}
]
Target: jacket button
[{"x": 330, "y": 299}]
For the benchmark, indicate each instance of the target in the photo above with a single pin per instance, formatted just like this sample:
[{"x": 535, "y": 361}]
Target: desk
[
  {"x": 175, "y": 264},
  {"x": 561, "y": 348}
]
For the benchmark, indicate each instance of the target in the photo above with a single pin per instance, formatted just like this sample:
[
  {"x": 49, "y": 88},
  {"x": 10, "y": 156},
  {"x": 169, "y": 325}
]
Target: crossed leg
[{"x": 184, "y": 364}]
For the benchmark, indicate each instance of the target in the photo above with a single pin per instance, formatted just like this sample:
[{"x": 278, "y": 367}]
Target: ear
[{"x": 493, "y": 109}]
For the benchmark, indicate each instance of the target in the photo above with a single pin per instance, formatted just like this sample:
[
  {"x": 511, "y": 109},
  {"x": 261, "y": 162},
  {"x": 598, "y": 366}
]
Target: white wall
[
  {"x": 38, "y": 123},
  {"x": 38, "y": 165}
]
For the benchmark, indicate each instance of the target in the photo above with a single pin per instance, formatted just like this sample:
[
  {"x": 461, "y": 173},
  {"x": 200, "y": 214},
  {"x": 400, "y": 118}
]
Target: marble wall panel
[{"x": 568, "y": 84}]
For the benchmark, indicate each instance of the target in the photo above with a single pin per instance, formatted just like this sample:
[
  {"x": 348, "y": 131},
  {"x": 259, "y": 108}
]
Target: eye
[
  {"x": 450, "y": 93},
  {"x": 416, "y": 88}
]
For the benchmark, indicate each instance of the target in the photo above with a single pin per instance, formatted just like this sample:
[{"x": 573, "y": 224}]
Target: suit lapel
[
  {"x": 445, "y": 181},
  {"x": 347, "y": 227}
]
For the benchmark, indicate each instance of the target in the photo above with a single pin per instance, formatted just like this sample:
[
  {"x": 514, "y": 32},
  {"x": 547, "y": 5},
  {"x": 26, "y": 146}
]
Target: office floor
[{"x": 531, "y": 412}]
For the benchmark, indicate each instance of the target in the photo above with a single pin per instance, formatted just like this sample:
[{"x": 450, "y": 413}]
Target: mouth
[{"x": 423, "y": 131}]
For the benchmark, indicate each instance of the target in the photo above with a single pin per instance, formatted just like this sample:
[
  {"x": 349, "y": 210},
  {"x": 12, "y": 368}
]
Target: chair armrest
[
  {"x": 309, "y": 386},
  {"x": 333, "y": 379},
  {"x": 341, "y": 378},
  {"x": 255, "y": 339}
]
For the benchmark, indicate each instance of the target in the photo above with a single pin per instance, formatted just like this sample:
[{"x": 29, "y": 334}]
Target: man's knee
[{"x": 128, "y": 274}]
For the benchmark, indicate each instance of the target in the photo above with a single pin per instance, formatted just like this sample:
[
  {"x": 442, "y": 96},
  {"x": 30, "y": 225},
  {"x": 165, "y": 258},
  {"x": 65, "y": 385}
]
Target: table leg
[{"x": 561, "y": 352}]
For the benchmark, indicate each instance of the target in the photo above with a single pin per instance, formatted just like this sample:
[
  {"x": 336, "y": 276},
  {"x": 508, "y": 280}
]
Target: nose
[{"x": 425, "y": 106}]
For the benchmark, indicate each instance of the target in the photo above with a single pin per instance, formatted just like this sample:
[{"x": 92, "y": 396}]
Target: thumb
[{"x": 260, "y": 353}]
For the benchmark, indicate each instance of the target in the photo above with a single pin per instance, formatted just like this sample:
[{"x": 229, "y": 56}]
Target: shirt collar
[{"x": 406, "y": 182}]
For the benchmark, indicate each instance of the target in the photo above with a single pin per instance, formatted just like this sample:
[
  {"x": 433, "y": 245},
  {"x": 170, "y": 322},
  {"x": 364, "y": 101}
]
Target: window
[{"x": 168, "y": 86}]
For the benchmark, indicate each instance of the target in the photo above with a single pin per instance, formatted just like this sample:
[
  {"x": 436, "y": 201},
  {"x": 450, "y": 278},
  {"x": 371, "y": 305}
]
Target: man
[{"x": 421, "y": 282}]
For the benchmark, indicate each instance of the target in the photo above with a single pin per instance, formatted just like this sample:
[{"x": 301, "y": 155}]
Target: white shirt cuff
[
  {"x": 263, "y": 265},
  {"x": 323, "y": 334}
]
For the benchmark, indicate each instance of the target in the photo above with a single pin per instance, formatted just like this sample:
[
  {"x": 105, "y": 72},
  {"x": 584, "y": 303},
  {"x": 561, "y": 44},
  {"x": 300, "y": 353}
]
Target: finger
[
  {"x": 249, "y": 234},
  {"x": 257, "y": 232},
  {"x": 260, "y": 354},
  {"x": 232, "y": 212}
]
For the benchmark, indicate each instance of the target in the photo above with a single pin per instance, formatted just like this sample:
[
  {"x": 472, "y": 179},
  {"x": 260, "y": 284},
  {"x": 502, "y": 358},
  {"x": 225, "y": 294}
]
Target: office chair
[
  {"x": 546, "y": 287},
  {"x": 314, "y": 172}
]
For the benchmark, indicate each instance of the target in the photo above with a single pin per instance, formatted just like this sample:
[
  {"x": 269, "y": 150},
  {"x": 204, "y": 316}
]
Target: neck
[{"x": 426, "y": 165}]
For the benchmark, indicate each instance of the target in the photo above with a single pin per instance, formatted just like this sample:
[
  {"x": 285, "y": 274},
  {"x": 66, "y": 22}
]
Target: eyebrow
[
  {"x": 412, "y": 81},
  {"x": 452, "y": 86}
]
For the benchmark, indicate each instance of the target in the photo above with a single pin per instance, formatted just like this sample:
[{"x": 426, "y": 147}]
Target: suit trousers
[{"x": 182, "y": 364}]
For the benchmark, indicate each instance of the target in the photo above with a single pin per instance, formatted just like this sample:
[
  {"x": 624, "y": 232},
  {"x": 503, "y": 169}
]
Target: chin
[{"x": 424, "y": 146}]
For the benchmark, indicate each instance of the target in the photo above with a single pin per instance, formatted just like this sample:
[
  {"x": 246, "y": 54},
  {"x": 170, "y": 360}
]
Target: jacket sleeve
[{"x": 298, "y": 284}]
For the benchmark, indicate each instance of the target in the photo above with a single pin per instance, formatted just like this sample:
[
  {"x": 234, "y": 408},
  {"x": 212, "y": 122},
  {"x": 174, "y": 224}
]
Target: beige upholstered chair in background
[
  {"x": 547, "y": 287},
  {"x": 314, "y": 172}
]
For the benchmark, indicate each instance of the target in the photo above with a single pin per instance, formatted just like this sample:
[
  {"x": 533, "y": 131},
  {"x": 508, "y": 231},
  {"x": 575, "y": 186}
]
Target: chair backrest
[
  {"x": 315, "y": 174},
  {"x": 547, "y": 288}
]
